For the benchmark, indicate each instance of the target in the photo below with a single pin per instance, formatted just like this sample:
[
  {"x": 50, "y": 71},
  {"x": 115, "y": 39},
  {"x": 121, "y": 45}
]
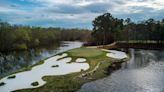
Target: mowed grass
[
  {"x": 71, "y": 82},
  {"x": 85, "y": 52}
]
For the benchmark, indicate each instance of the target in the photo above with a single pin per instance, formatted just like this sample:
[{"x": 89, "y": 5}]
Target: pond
[
  {"x": 12, "y": 61},
  {"x": 144, "y": 72},
  {"x": 50, "y": 67}
]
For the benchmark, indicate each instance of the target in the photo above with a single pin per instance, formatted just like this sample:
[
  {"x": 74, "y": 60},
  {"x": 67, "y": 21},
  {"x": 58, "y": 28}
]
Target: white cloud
[
  {"x": 154, "y": 4},
  {"x": 80, "y": 11}
]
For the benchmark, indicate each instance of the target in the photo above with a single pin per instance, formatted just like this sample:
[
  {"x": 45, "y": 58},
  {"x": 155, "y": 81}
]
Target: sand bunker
[
  {"x": 24, "y": 79},
  {"x": 81, "y": 60},
  {"x": 115, "y": 54}
]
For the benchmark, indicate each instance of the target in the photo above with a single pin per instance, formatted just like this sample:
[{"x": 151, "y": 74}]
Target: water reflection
[
  {"x": 143, "y": 73},
  {"x": 10, "y": 62},
  {"x": 39, "y": 71}
]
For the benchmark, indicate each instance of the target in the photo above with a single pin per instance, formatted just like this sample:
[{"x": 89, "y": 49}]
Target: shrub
[
  {"x": 2, "y": 83},
  {"x": 22, "y": 46},
  {"x": 55, "y": 66},
  {"x": 82, "y": 70},
  {"x": 11, "y": 77},
  {"x": 35, "y": 83}
]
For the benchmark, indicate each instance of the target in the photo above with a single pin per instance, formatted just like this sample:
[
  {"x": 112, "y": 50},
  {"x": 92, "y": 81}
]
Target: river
[
  {"x": 144, "y": 72},
  {"x": 12, "y": 61}
]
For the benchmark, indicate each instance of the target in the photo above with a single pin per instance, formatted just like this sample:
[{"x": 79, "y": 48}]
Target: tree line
[
  {"x": 107, "y": 29},
  {"x": 17, "y": 37}
]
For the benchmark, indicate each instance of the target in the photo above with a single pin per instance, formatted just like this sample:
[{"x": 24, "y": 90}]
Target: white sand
[
  {"x": 81, "y": 60},
  {"x": 24, "y": 79},
  {"x": 115, "y": 54}
]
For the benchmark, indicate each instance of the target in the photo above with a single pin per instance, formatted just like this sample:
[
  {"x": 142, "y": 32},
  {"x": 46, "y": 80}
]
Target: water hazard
[
  {"x": 12, "y": 61},
  {"x": 144, "y": 72}
]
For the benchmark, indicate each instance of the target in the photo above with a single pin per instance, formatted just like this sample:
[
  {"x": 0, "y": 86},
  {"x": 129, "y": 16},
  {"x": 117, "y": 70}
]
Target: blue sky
[{"x": 76, "y": 13}]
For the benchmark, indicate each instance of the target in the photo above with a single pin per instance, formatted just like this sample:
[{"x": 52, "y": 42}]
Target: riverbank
[
  {"x": 133, "y": 44},
  {"x": 13, "y": 61},
  {"x": 72, "y": 82},
  {"x": 144, "y": 72}
]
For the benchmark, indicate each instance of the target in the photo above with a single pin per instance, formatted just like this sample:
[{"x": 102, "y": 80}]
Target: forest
[
  {"x": 107, "y": 29},
  {"x": 17, "y": 37}
]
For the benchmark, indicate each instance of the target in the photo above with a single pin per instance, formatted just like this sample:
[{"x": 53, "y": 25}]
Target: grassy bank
[
  {"x": 72, "y": 82},
  {"x": 134, "y": 44}
]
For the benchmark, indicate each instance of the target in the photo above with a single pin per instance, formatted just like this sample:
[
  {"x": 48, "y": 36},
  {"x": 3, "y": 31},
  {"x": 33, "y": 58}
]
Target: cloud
[
  {"x": 76, "y": 13},
  {"x": 63, "y": 9},
  {"x": 98, "y": 7}
]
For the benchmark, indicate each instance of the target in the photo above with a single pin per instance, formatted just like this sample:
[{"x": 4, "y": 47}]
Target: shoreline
[
  {"x": 100, "y": 72},
  {"x": 135, "y": 45}
]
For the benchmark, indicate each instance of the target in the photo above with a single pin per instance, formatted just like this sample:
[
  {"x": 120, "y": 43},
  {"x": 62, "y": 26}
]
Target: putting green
[{"x": 85, "y": 52}]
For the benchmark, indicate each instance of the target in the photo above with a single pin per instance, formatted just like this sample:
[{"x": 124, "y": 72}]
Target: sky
[{"x": 76, "y": 13}]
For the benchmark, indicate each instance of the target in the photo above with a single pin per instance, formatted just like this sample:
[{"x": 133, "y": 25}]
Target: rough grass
[{"x": 71, "y": 82}]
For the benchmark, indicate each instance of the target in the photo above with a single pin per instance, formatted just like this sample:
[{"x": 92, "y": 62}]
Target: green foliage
[
  {"x": 2, "y": 83},
  {"x": 104, "y": 27},
  {"x": 35, "y": 83},
  {"x": 75, "y": 34},
  {"x": 108, "y": 29},
  {"x": 11, "y": 77},
  {"x": 36, "y": 42},
  {"x": 13, "y": 37},
  {"x": 55, "y": 66},
  {"x": 22, "y": 35},
  {"x": 22, "y": 46}
]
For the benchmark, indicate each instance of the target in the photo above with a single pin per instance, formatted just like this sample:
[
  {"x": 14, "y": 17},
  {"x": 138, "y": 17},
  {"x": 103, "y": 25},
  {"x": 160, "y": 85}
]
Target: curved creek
[{"x": 144, "y": 72}]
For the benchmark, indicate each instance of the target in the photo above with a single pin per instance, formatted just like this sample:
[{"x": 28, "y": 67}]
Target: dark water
[
  {"x": 143, "y": 73},
  {"x": 10, "y": 62}
]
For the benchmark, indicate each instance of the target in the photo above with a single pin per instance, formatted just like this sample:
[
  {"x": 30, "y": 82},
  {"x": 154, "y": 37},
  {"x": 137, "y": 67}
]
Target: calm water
[
  {"x": 143, "y": 73},
  {"x": 36, "y": 73},
  {"x": 10, "y": 62}
]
